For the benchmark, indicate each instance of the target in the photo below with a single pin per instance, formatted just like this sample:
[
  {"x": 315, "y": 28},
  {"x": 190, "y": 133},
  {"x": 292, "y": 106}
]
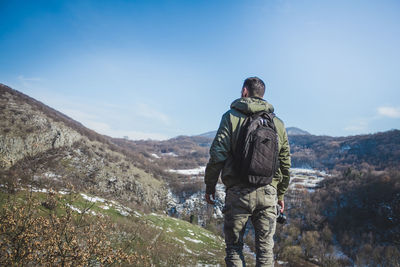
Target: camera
[{"x": 281, "y": 216}]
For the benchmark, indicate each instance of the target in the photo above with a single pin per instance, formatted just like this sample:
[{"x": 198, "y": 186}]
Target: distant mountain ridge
[
  {"x": 33, "y": 134},
  {"x": 210, "y": 134},
  {"x": 289, "y": 130},
  {"x": 296, "y": 131},
  {"x": 379, "y": 151}
]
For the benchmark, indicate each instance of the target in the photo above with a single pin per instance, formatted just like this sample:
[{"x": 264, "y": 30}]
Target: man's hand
[
  {"x": 208, "y": 198},
  {"x": 282, "y": 204}
]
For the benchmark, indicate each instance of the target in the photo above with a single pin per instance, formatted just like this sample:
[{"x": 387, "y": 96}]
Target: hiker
[{"x": 255, "y": 182}]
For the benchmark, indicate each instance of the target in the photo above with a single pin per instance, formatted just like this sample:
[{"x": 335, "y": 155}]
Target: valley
[
  {"x": 342, "y": 204},
  {"x": 188, "y": 204}
]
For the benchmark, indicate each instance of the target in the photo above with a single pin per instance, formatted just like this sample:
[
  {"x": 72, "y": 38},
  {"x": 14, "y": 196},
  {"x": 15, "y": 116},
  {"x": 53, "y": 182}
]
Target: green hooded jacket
[{"x": 221, "y": 151}]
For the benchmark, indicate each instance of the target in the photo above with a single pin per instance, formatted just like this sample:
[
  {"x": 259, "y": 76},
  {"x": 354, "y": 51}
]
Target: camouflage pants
[{"x": 260, "y": 205}]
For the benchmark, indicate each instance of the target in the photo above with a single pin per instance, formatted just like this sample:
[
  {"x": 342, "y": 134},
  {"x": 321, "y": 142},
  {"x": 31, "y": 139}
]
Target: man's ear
[{"x": 245, "y": 92}]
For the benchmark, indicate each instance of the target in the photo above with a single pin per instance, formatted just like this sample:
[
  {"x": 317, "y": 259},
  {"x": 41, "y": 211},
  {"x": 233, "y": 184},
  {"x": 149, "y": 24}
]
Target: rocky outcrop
[
  {"x": 43, "y": 145},
  {"x": 26, "y": 131}
]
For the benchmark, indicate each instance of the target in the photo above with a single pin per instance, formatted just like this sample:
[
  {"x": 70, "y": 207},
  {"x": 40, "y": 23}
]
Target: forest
[{"x": 351, "y": 219}]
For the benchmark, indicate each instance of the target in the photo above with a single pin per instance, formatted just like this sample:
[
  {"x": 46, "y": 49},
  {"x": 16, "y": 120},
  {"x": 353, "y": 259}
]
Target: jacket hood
[{"x": 251, "y": 105}]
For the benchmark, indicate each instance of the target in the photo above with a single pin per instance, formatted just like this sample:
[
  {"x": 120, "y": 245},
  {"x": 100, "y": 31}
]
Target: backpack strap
[{"x": 268, "y": 116}]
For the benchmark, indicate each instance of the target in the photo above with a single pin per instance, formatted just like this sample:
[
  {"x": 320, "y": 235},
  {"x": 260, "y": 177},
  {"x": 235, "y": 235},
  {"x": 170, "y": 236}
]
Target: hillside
[
  {"x": 43, "y": 227},
  {"x": 50, "y": 158},
  {"x": 43, "y": 146},
  {"x": 351, "y": 219},
  {"x": 378, "y": 151},
  {"x": 182, "y": 152}
]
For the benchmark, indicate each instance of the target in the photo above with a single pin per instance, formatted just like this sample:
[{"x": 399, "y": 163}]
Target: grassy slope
[{"x": 174, "y": 241}]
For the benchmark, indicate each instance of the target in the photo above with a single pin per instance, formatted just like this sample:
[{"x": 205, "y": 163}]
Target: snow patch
[
  {"x": 137, "y": 214},
  {"x": 155, "y": 156},
  {"x": 43, "y": 190},
  {"x": 188, "y": 250},
  {"x": 195, "y": 204},
  {"x": 74, "y": 208},
  {"x": 211, "y": 236},
  {"x": 196, "y": 171},
  {"x": 208, "y": 265},
  {"x": 52, "y": 175},
  {"x": 92, "y": 199},
  {"x": 282, "y": 262},
  {"x": 122, "y": 211},
  {"x": 169, "y": 154},
  {"x": 177, "y": 239},
  {"x": 193, "y": 240},
  {"x": 306, "y": 178}
]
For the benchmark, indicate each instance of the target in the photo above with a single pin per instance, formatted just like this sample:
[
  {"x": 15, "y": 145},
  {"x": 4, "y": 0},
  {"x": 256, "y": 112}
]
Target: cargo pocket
[{"x": 270, "y": 196}]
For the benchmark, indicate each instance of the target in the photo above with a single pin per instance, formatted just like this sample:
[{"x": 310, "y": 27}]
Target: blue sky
[{"x": 158, "y": 69}]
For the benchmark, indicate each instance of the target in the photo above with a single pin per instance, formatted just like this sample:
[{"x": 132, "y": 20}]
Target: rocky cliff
[{"x": 41, "y": 145}]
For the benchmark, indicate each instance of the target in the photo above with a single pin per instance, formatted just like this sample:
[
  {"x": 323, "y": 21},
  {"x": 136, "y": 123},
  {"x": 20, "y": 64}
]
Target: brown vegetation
[
  {"x": 356, "y": 213},
  {"x": 379, "y": 151},
  {"x": 49, "y": 237}
]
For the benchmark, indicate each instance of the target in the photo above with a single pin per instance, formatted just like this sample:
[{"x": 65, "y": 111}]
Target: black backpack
[{"x": 256, "y": 153}]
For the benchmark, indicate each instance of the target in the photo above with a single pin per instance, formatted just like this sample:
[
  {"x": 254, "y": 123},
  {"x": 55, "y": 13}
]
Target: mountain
[
  {"x": 378, "y": 151},
  {"x": 290, "y": 131},
  {"x": 296, "y": 131},
  {"x": 53, "y": 169},
  {"x": 209, "y": 134},
  {"x": 43, "y": 146}
]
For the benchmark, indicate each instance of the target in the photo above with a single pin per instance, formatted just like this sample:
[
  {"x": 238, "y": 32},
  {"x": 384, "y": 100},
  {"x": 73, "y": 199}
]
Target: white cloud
[
  {"x": 23, "y": 78},
  {"x": 359, "y": 126},
  {"x": 149, "y": 112},
  {"x": 98, "y": 116},
  {"x": 391, "y": 112},
  {"x": 93, "y": 123},
  {"x": 77, "y": 115},
  {"x": 27, "y": 82},
  {"x": 362, "y": 125}
]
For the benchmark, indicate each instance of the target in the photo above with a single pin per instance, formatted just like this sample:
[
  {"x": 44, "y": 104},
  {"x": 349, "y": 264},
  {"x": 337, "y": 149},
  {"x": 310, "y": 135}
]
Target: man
[{"x": 244, "y": 200}]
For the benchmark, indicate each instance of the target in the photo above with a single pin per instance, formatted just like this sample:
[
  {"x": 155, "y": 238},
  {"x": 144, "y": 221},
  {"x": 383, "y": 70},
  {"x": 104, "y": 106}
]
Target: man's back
[
  {"x": 243, "y": 200},
  {"x": 221, "y": 151}
]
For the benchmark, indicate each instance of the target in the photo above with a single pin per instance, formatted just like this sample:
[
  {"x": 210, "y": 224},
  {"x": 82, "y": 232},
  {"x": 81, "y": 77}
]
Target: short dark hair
[{"x": 255, "y": 86}]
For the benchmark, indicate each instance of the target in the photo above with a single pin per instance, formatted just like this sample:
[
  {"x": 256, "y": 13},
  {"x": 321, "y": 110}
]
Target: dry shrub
[
  {"x": 9, "y": 180},
  {"x": 32, "y": 235},
  {"x": 291, "y": 253},
  {"x": 180, "y": 186}
]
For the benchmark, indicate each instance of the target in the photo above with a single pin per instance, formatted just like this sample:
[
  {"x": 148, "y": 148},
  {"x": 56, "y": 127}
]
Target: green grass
[
  {"x": 174, "y": 241},
  {"x": 193, "y": 239}
]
